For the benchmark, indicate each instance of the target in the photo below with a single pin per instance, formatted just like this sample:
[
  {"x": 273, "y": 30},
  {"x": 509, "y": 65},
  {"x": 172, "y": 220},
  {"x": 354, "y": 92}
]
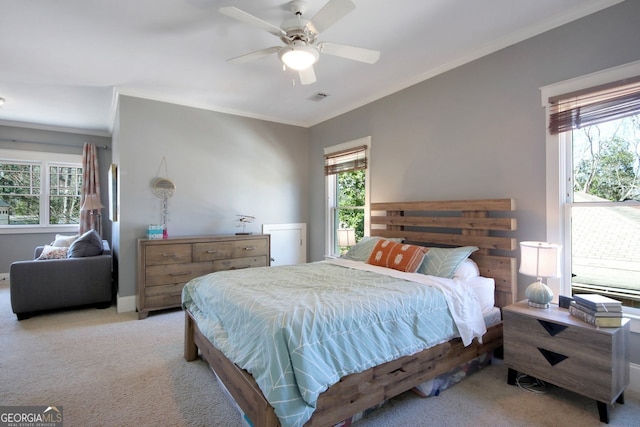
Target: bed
[{"x": 483, "y": 224}]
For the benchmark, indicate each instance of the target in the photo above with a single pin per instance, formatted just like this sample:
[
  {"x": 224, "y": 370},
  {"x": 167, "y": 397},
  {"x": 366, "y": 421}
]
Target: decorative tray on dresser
[
  {"x": 164, "y": 266},
  {"x": 553, "y": 346}
]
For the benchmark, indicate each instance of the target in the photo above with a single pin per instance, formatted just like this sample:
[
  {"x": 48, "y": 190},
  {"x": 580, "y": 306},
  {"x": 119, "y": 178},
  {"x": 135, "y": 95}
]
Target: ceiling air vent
[{"x": 318, "y": 96}]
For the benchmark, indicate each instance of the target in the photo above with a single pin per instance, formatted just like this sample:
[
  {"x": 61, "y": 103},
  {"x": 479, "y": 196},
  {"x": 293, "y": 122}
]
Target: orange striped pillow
[{"x": 399, "y": 256}]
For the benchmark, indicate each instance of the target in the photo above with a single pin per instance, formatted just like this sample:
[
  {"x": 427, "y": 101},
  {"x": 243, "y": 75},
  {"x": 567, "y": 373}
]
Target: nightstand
[{"x": 551, "y": 345}]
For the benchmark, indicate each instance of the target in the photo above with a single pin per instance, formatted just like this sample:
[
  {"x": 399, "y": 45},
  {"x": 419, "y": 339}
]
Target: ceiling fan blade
[
  {"x": 350, "y": 52},
  {"x": 307, "y": 76},
  {"x": 242, "y": 16},
  {"x": 330, "y": 13},
  {"x": 254, "y": 55}
]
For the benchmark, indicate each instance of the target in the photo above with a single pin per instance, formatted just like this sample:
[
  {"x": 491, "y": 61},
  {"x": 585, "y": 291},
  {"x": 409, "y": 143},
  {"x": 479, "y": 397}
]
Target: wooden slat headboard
[{"x": 458, "y": 223}]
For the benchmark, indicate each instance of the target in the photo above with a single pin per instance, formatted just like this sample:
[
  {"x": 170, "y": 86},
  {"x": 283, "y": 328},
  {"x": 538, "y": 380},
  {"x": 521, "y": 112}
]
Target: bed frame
[{"x": 438, "y": 223}]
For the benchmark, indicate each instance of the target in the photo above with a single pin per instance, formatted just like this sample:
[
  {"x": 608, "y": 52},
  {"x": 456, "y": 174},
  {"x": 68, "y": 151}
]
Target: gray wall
[
  {"x": 222, "y": 166},
  {"x": 16, "y": 247},
  {"x": 477, "y": 131}
]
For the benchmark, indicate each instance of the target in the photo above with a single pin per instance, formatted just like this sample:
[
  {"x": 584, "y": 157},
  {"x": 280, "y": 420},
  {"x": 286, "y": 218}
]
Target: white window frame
[
  {"x": 45, "y": 160},
  {"x": 330, "y": 193},
  {"x": 559, "y": 175}
]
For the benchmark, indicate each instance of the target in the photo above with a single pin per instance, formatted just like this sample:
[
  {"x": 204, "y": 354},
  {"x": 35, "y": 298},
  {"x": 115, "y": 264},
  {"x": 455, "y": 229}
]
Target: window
[
  {"x": 594, "y": 199},
  {"x": 346, "y": 171},
  {"x": 39, "y": 190}
]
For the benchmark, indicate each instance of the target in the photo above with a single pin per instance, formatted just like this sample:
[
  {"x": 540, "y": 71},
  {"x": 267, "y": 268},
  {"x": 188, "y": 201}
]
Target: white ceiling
[{"x": 62, "y": 63}]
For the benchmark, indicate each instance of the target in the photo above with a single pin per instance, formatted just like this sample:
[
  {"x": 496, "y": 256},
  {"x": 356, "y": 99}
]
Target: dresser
[
  {"x": 553, "y": 346},
  {"x": 164, "y": 266}
]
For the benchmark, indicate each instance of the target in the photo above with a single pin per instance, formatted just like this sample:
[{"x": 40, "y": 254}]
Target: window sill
[
  {"x": 40, "y": 230},
  {"x": 634, "y": 315}
]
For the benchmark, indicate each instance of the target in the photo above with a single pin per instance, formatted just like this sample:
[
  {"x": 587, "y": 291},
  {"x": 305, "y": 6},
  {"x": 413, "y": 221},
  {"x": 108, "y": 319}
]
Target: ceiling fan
[{"x": 300, "y": 50}]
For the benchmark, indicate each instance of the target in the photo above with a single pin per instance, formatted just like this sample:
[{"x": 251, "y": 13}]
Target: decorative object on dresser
[
  {"x": 243, "y": 220},
  {"x": 164, "y": 189},
  {"x": 164, "y": 266},
  {"x": 597, "y": 310},
  {"x": 539, "y": 259},
  {"x": 554, "y": 346}
]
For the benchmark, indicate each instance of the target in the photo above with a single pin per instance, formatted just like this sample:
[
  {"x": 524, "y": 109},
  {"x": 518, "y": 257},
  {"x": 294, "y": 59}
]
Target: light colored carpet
[{"x": 109, "y": 369}]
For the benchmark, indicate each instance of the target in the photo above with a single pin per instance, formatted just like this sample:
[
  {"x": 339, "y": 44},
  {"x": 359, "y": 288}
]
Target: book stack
[{"x": 597, "y": 310}]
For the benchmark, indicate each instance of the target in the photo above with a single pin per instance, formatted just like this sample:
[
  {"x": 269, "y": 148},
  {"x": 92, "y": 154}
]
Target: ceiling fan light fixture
[{"x": 299, "y": 57}]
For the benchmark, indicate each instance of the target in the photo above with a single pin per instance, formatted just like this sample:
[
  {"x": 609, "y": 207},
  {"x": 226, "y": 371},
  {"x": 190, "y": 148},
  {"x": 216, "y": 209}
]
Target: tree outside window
[
  {"x": 605, "y": 223},
  {"x": 31, "y": 189},
  {"x": 351, "y": 201}
]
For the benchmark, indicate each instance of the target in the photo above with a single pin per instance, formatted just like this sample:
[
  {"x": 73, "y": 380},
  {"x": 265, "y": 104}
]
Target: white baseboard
[
  {"x": 126, "y": 304},
  {"x": 634, "y": 377}
]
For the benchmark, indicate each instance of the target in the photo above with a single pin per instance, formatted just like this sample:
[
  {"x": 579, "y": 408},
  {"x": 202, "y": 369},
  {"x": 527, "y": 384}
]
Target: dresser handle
[
  {"x": 212, "y": 252},
  {"x": 240, "y": 268},
  {"x": 164, "y": 254},
  {"x": 250, "y": 248},
  {"x": 186, "y": 273}
]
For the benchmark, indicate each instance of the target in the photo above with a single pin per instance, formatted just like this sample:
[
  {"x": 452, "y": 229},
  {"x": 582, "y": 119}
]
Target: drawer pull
[
  {"x": 212, "y": 252},
  {"x": 186, "y": 273},
  {"x": 240, "y": 268},
  {"x": 172, "y": 255},
  {"x": 250, "y": 248}
]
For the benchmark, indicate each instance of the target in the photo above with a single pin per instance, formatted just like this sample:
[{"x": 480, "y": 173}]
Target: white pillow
[
  {"x": 51, "y": 252},
  {"x": 484, "y": 288},
  {"x": 467, "y": 269},
  {"x": 62, "y": 241}
]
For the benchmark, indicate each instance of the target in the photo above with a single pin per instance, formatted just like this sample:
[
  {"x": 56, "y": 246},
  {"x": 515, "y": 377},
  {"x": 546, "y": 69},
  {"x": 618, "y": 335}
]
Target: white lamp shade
[
  {"x": 346, "y": 237},
  {"x": 540, "y": 259},
  {"x": 91, "y": 203}
]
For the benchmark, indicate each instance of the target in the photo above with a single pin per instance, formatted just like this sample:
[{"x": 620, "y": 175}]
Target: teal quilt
[{"x": 299, "y": 329}]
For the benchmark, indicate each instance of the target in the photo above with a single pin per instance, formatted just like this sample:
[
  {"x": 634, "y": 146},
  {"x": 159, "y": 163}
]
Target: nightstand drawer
[
  {"x": 562, "y": 359},
  {"x": 551, "y": 345},
  {"x": 560, "y": 338}
]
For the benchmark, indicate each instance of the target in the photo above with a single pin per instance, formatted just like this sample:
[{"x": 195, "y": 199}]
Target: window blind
[
  {"x": 349, "y": 160},
  {"x": 596, "y": 105}
]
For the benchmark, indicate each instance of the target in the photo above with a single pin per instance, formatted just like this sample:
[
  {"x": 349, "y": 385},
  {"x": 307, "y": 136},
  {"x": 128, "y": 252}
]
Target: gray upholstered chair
[{"x": 50, "y": 284}]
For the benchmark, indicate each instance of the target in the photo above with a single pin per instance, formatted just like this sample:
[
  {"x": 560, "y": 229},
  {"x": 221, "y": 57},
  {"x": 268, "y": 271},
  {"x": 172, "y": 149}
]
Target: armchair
[{"x": 59, "y": 283}]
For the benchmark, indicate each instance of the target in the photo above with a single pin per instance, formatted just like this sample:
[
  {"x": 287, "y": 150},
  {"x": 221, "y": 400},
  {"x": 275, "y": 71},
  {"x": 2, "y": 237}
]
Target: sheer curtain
[{"x": 90, "y": 184}]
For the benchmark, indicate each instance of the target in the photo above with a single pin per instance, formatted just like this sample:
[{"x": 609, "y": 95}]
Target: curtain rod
[{"x": 106, "y": 147}]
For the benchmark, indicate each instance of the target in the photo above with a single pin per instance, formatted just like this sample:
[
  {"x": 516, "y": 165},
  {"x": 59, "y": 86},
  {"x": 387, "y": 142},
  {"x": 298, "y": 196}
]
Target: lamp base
[
  {"x": 537, "y": 305},
  {"x": 539, "y": 294}
]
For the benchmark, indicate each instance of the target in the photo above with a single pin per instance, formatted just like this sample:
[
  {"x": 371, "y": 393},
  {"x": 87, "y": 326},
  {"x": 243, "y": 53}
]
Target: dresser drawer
[
  {"x": 165, "y": 266},
  {"x": 162, "y": 301},
  {"x": 229, "y": 249},
  {"x": 240, "y": 263},
  {"x": 168, "y": 254},
  {"x": 157, "y": 275}
]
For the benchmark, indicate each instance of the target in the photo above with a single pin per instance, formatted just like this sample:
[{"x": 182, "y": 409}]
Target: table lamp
[
  {"x": 346, "y": 237},
  {"x": 539, "y": 259}
]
